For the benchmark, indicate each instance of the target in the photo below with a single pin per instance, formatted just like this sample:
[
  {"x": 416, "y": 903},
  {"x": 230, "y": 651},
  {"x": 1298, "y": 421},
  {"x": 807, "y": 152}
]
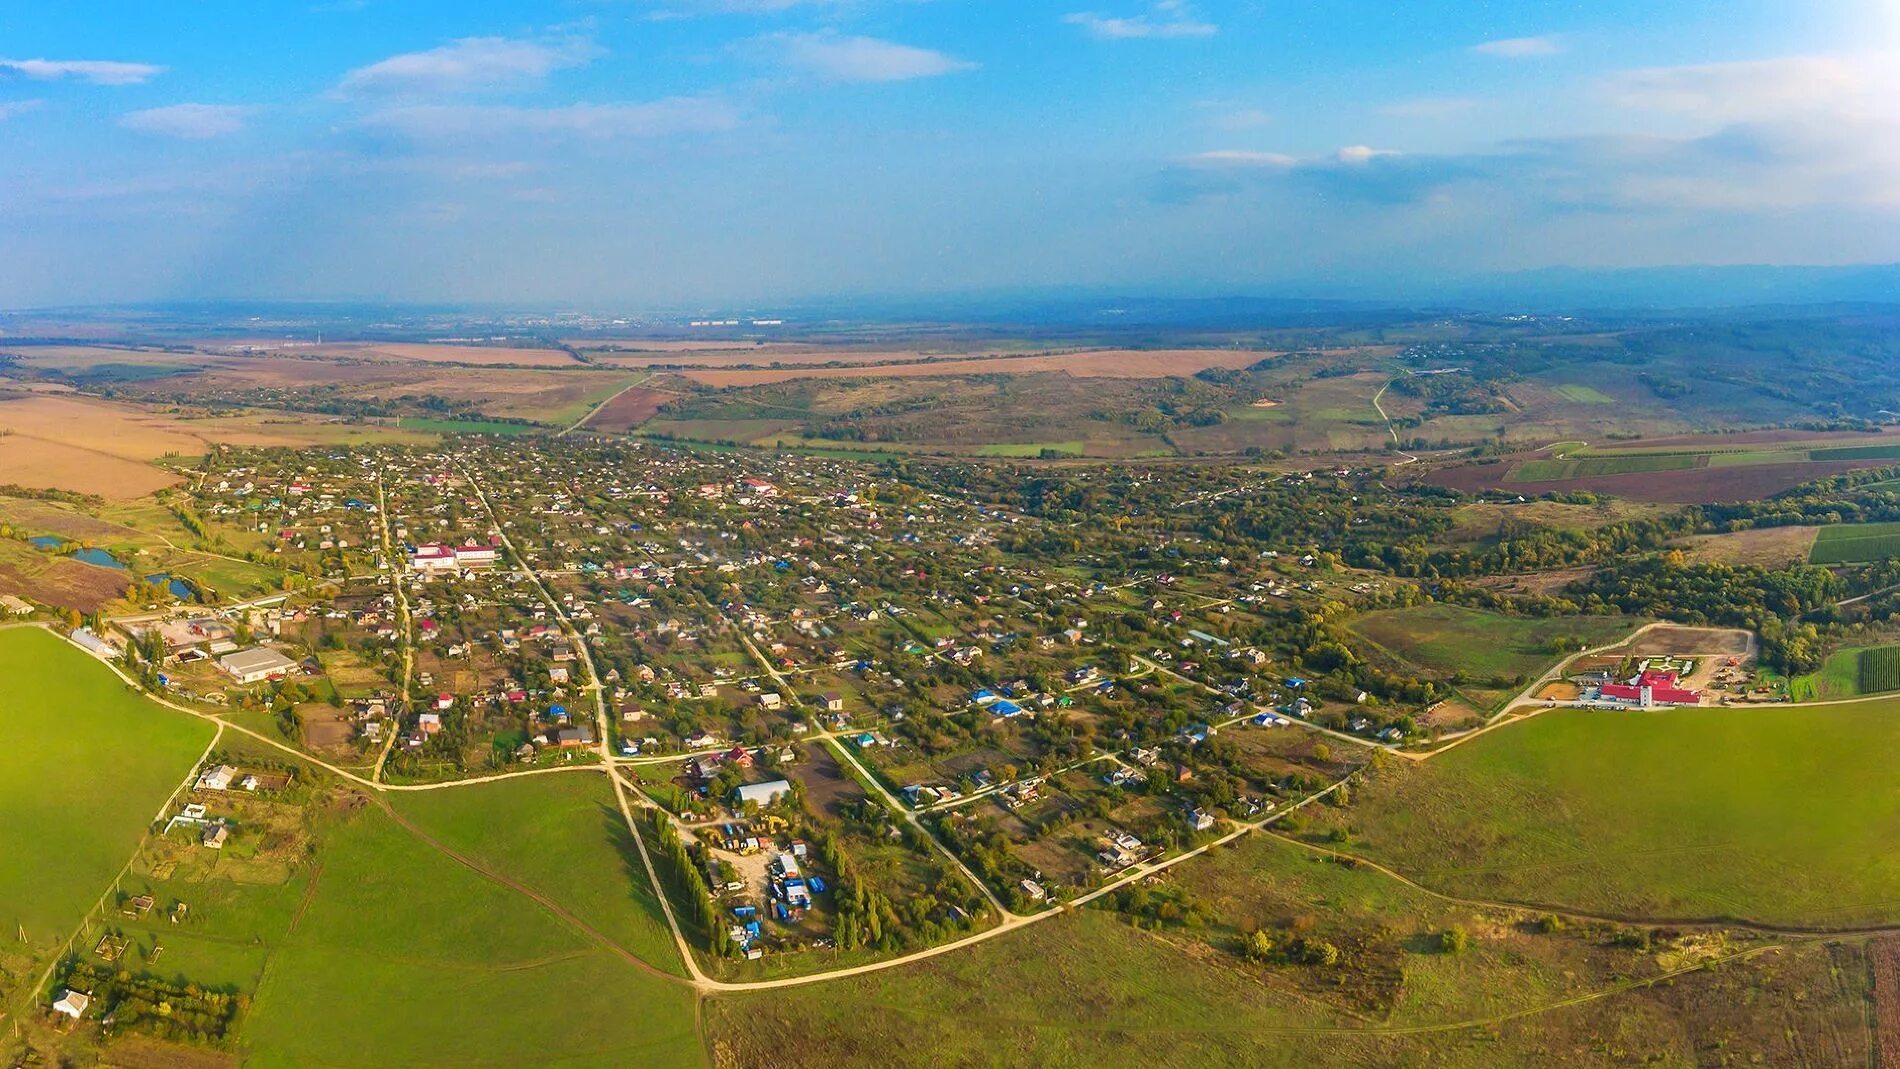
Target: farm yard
[{"x": 1489, "y": 654}]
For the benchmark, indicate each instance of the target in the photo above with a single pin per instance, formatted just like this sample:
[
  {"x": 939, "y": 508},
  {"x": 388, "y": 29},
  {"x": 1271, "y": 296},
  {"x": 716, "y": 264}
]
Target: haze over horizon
[{"x": 665, "y": 151}]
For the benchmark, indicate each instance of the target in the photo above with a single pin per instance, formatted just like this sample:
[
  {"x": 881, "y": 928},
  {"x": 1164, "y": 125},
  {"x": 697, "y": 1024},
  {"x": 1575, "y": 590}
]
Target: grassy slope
[
  {"x": 1778, "y": 816},
  {"x": 406, "y": 958},
  {"x": 1088, "y": 992},
  {"x": 84, "y": 765}
]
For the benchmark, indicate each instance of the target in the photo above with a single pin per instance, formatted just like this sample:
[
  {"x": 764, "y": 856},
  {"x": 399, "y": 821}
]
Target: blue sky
[{"x": 664, "y": 153}]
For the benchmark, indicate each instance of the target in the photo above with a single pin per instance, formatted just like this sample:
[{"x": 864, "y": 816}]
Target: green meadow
[
  {"x": 1777, "y": 816},
  {"x": 85, "y": 764},
  {"x": 405, "y": 955}
]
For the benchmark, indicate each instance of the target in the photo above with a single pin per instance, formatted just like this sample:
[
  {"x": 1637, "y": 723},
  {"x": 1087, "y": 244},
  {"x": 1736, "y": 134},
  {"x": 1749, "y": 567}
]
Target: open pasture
[
  {"x": 417, "y": 958},
  {"x": 85, "y": 764},
  {"x": 1771, "y": 815}
]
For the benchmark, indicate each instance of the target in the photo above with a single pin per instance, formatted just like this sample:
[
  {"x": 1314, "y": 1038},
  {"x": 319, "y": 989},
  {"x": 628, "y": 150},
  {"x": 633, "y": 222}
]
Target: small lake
[
  {"x": 51, "y": 544},
  {"x": 99, "y": 557},
  {"x": 176, "y": 587}
]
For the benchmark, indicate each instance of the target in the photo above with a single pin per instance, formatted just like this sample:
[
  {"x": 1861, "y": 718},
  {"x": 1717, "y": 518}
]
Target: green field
[
  {"x": 1578, "y": 393},
  {"x": 1853, "y": 543},
  {"x": 1588, "y": 466},
  {"x": 85, "y": 764},
  {"x": 1451, "y": 639},
  {"x": 562, "y": 835},
  {"x": 469, "y": 426},
  {"x": 404, "y": 956},
  {"x": 1784, "y": 816},
  {"x": 1029, "y": 449}
]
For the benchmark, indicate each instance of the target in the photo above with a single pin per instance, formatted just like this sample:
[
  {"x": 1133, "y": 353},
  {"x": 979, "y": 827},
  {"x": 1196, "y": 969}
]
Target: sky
[{"x": 645, "y": 154}]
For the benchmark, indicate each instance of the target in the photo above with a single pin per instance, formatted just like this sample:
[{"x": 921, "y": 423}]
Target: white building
[{"x": 256, "y": 665}]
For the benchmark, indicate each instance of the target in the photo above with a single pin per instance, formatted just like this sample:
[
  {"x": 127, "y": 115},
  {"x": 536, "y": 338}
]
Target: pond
[
  {"x": 176, "y": 587},
  {"x": 52, "y": 544},
  {"x": 99, "y": 557}
]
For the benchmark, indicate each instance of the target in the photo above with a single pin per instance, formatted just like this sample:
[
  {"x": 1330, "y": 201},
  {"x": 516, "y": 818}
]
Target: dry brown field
[
  {"x": 1105, "y": 363},
  {"x": 1771, "y": 547},
  {"x": 629, "y": 409},
  {"x": 413, "y": 352}
]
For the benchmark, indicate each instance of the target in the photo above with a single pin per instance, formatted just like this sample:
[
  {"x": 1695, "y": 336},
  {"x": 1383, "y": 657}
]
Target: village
[{"x": 807, "y": 667}]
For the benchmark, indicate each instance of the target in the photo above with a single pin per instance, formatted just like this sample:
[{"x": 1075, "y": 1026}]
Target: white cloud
[
  {"x": 192, "y": 122},
  {"x": 1753, "y": 90},
  {"x": 862, "y": 59},
  {"x": 1362, "y": 153},
  {"x": 1165, "y": 19},
  {"x": 1233, "y": 157},
  {"x": 96, "y": 71},
  {"x": 448, "y": 122},
  {"x": 469, "y": 64},
  {"x": 1520, "y": 47},
  {"x": 10, "y": 108}
]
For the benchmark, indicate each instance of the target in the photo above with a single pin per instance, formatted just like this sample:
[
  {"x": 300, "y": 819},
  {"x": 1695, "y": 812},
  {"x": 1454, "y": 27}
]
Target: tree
[
  {"x": 1454, "y": 940},
  {"x": 1259, "y": 946}
]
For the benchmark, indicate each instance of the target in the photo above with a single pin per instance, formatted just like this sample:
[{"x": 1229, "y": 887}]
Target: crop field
[
  {"x": 1856, "y": 543},
  {"x": 1581, "y": 394},
  {"x": 1105, "y": 363},
  {"x": 84, "y": 765},
  {"x": 630, "y": 409},
  {"x": 1690, "y": 813},
  {"x": 1452, "y": 639},
  {"x": 429, "y": 353},
  {"x": 1587, "y": 467}
]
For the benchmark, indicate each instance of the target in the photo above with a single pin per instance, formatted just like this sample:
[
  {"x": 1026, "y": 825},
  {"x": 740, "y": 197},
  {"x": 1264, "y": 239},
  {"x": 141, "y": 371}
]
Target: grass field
[
  {"x": 1838, "y": 677},
  {"x": 1581, "y": 394},
  {"x": 1854, "y": 543},
  {"x": 84, "y": 766},
  {"x": 1447, "y": 639},
  {"x": 1030, "y": 449},
  {"x": 1783, "y": 816},
  {"x": 1589, "y": 466},
  {"x": 563, "y": 836},
  {"x": 403, "y": 956},
  {"x": 1086, "y": 991}
]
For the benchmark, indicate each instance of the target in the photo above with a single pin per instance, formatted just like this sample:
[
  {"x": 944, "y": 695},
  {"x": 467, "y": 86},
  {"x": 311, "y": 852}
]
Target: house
[
  {"x": 216, "y": 835},
  {"x": 217, "y": 779},
  {"x": 570, "y": 738},
  {"x": 770, "y": 700},
  {"x": 72, "y": 1003},
  {"x": 761, "y": 793},
  {"x": 832, "y": 701},
  {"x": 1200, "y": 819},
  {"x": 14, "y": 606},
  {"x": 1650, "y": 689},
  {"x": 256, "y": 665},
  {"x": 432, "y": 559}
]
